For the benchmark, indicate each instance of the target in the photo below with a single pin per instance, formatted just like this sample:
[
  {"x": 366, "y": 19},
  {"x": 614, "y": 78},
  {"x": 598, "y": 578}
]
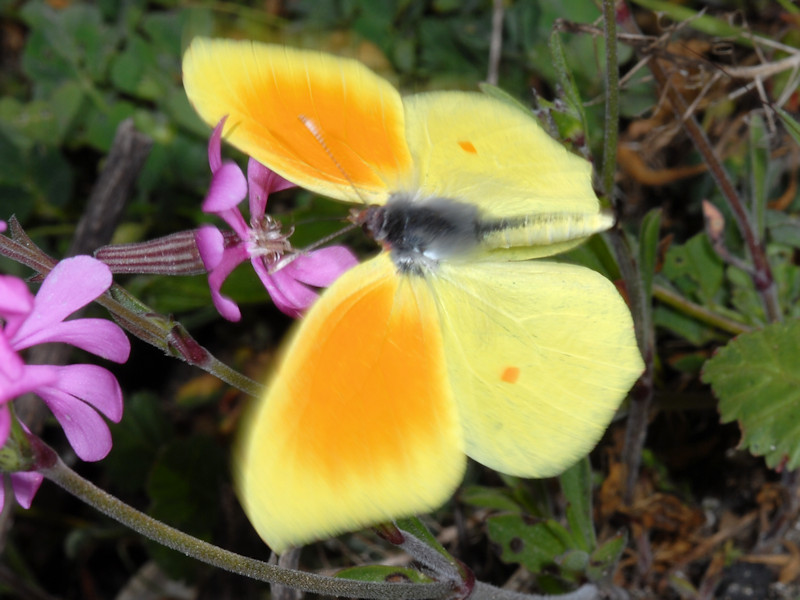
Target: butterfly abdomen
[{"x": 541, "y": 229}]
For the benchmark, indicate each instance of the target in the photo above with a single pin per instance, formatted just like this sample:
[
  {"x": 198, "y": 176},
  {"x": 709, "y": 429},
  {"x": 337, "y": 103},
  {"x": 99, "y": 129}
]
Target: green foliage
[
  {"x": 137, "y": 439},
  {"x": 183, "y": 486},
  {"x": 757, "y": 382},
  {"x": 560, "y": 555},
  {"x": 86, "y": 68},
  {"x": 383, "y": 573}
]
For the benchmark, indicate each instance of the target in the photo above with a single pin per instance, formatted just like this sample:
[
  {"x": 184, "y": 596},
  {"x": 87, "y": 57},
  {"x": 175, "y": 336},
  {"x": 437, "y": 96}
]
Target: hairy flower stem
[
  {"x": 53, "y": 468},
  {"x": 57, "y": 472},
  {"x": 134, "y": 316}
]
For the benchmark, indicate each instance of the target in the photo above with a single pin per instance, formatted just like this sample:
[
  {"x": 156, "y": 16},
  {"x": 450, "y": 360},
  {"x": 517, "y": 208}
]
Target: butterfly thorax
[{"x": 421, "y": 233}]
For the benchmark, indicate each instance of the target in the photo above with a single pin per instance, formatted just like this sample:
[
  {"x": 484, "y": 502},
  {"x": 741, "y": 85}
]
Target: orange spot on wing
[
  {"x": 467, "y": 147},
  {"x": 510, "y": 375}
]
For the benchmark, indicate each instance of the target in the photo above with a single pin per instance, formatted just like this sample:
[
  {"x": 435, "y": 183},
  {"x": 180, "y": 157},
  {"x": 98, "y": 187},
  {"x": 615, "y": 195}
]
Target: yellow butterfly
[{"x": 450, "y": 342}]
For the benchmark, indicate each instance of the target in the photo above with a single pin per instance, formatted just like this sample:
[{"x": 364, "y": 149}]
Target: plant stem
[
  {"x": 640, "y": 302},
  {"x": 701, "y": 313},
  {"x": 56, "y": 471},
  {"x": 611, "y": 126},
  {"x": 59, "y": 473},
  {"x": 136, "y": 317}
]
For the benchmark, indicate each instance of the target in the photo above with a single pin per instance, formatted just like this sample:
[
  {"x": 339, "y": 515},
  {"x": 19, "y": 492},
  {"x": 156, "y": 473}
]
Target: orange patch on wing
[
  {"x": 467, "y": 147},
  {"x": 359, "y": 426},
  {"x": 274, "y": 96},
  {"x": 510, "y": 375},
  {"x": 377, "y": 377}
]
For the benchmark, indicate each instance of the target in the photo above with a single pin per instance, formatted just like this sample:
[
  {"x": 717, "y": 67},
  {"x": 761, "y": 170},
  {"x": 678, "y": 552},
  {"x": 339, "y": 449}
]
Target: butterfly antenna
[
  {"x": 288, "y": 258},
  {"x": 315, "y": 131}
]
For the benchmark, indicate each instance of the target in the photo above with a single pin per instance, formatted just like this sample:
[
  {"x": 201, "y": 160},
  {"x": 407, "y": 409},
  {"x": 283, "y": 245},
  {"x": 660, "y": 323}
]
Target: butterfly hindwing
[
  {"x": 539, "y": 355},
  {"x": 360, "y": 427}
]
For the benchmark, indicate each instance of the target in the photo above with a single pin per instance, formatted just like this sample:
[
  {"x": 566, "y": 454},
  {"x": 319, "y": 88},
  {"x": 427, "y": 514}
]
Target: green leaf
[
  {"x": 576, "y": 483},
  {"x": 648, "y": 248},
  {"x": 705, "y": 23},
  {"x": 603, "y": 561},
  {"x": 183, "y": 487},
  {"x": 383, "y": 573},
  {"x": 745, "y": 298},
  {"x": 757, "y": 381},
  {"x": 502, "y": 95},
  {"x": 792, "y": 126},
  {"x": 566, "y": 79},
  {"x": 137, "y": 438},
  {"x": 26, "y": 124},
  {"x": 683, "y": 325},
  {"x": 574, "y": 562},
  {"x": 758, "y": 158},
  {"x": 783, "y": 228},
  {"x": 415, "y": 527},
  {"x": 534, "y": 544},
  {"x": 596, "y": 254},
  {"x": 101, "y": 126},
  {"x": 51, "y": 176},
  {"x": 66, "y": 43},
  {"x": 490, "y": 497},
  {"x": 695, "y": 268}
]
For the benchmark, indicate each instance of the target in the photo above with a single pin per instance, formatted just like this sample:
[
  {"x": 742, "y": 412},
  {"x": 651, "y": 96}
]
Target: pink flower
[
  {"x": 289, "y": 277},
  {"x": 75, "y": 393}
]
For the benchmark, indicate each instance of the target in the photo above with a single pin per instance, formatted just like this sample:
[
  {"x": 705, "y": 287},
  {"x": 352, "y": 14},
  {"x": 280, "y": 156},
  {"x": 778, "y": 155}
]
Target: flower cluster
[
  {"x": 79, "y": 394},
  {"x": 74, "y": 393},
  {"x": 289, "y": 276}
]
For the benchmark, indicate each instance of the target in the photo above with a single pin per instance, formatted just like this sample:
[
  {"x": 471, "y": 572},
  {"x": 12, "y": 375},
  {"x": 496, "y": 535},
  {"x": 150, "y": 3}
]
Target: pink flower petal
[
  {"x": 15, "y": 297},
  {"x": 215, "y": 146},
  {"x": 262, "y": 181},
  {"x": 231, "y": 258},
  {"x": 72, "y": 284},
  {"x": 98, "y": 336},
  {"x": 31, "y": 379},
  {"x": 11, "y": 365},
  {"x": 321, "y": 267},
  {"x": 85, "y": 429},
  {"x": 280, "y": 300},
  {"x": 91, "y": 384},
  {"x": 5, "y": 425},
  {"x": 210, "y": 244},
  {"x": 25, "y": 486},
  {"x": 228, "y": 188},
  {"x": 290, "y": 296}
]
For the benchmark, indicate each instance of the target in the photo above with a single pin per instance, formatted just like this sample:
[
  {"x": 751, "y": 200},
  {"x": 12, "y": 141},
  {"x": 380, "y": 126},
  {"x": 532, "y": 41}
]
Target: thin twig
[
  {"x": 642, "y": 394},
  {"x": 496, "y": 42},
  {"x": 762, "y": 272}
]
